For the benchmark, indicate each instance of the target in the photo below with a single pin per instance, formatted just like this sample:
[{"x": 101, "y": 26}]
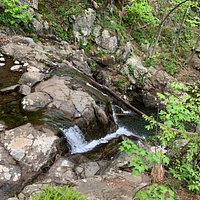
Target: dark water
[
  {"x": 10, "y": 102},
  {"x": 7, "y": 77}
]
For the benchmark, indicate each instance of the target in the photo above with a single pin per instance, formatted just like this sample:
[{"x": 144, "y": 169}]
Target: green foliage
[
  {"x": 131, "y": 69},
  {"x": 142, "y": 159},
  {"x": 58, "y": 193},
  {"x": 155, "y": 192},
  {"x": 140, "y": 11},
  {"x": 185, "y": 166},
  {"x": 181, "y": 108},
  {"x": 14, "y": 14}
]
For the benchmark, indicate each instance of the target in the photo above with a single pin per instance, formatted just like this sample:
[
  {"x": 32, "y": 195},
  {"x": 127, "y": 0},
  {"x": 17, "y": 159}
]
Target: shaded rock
[
  {"x": 31, "y": 78},
  {"x": 10, "y": 173},
  {"x": 196, "y": 63},
  {"x": 62, "y": 172},
  {"x": 88, "y": 169},
  {"x": 35, "y": 101},
  {"x": 25, "y": 89},
  {"x": 9, "y": 89}
]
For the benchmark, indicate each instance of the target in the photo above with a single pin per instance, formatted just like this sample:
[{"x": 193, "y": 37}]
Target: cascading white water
[{"x": 78, "y": 144}]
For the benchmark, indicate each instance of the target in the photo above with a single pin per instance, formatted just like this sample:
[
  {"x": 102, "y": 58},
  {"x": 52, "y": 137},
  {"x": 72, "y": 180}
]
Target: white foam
[{"x": 78, "y": 143}]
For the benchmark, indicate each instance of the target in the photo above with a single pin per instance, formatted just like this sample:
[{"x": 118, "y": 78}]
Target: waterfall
[{"x": 78, "y": 144}]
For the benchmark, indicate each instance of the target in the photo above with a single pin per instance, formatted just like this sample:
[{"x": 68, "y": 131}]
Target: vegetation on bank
[
  {"x": 58, "y": 193},
  {"x": 177, "y": 151}
]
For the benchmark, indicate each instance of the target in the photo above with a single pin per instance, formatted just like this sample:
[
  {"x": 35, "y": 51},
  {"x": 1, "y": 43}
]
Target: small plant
[
  {"x": 58, "y": 193},
  {"x": 155, "y": 192},
  {"x": 13, "y": 13},
  {"x": 131, "y": 69}
]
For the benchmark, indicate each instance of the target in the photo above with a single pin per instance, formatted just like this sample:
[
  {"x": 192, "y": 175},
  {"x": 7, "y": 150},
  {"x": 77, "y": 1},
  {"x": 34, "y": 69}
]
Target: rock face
[
  {"x": 148, "y": 80},
  {"x": 77, "y": 105},
  {"x": 24, "y": 152},
  {"x": 84, "y": 24},
  {"x": 105, "y": 39}
]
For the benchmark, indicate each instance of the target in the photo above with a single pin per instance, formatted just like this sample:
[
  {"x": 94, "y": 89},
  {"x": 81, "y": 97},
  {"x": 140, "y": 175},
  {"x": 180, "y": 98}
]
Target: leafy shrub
[
  {"x": 58, "y": 193},
  {"x": 155, "y": 192},
  {"x": 13, "y": 13}
]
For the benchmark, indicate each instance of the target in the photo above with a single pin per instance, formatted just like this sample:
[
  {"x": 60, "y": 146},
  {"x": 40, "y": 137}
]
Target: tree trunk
[
  {"x": 180, "y": 29},
  {"x": 152, "y": 48}
]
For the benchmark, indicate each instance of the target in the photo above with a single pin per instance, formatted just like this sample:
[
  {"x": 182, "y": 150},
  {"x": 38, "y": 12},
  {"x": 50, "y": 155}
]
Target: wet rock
[
  {"x": 84, "y": 24},
  {"x": 35, "y": 101},
  {"x": 31, "y": 78},
  {"x": 9, "y": 89},
  {"x": 25, "y": 89},
  {"x": 78, "y": 106},
  {"x": 16, "y": 62}
]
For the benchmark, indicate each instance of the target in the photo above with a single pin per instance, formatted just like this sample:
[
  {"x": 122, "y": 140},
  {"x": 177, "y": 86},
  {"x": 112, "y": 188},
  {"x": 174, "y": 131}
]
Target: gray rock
[
  {"x": 106, "y": 40},
  {"x": 88, "y": 169},
  {"x": 31, "y": 78},
  {"x": 35, "y": 101},
  {"x": 25, "y": 89},
  {"x": 11, "y": 88},
  {"x": 2, "y": 59},
  {"x": 136, "y": 64},
  {"x": 62, "y": 172},
  {"x": 16, "y": 68},
  {"x": 37, "y": 25},
  {"x": 2, "y": 64},
  {"x": 84, "y": 24},
  {"x": 10, "y": 173},
  {"x": 30, "y": 147}
]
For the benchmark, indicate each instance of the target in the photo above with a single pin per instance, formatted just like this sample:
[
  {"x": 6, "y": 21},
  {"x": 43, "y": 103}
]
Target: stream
[{"x": 129, "y": 124}]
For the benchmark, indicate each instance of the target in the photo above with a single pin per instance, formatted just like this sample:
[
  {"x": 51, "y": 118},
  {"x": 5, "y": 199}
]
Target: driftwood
[{"x": 112, "y": 94}]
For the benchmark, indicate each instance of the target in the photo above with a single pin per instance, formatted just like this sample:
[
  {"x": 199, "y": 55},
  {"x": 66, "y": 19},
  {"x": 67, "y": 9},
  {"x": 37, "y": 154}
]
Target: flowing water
[{"x": 127, "y": 124}]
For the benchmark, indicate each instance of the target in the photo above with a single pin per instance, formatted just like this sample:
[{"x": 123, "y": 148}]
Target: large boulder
[
  {"x": 78, "y": 106},
  {"x": 83, "y": 25},
  {"x": 24, "y": 152},
  {"x": 105, "y": 39}
]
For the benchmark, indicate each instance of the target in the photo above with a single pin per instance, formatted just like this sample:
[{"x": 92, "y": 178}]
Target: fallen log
[{"x": 109, "y": 92}]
